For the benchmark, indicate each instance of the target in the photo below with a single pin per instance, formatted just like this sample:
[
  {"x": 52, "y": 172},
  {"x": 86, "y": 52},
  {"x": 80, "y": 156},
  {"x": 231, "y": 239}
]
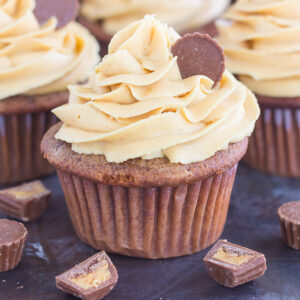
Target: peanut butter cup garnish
[
  {"x": 64, "y": 10},
  {"x": 199, "y": 54}
]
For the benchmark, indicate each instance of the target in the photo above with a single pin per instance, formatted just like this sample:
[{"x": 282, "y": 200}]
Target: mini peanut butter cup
[
  {"x": 289, "y": 218},
  {"x": 199, "y": 54},
  {"x": 92, "y": 279},
  {"x": 232, "y": 265},
  {"x": 12, "y": 240},
  {"x": 64, "y": 10}
]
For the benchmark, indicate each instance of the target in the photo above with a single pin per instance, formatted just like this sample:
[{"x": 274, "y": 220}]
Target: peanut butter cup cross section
[
  {"x": 232, "y": 265},
  {"x": 92, "y": 279}
]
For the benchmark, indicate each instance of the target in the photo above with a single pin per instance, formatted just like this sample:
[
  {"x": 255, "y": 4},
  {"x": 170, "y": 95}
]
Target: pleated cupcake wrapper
[
  {"x": 20, "y": 138},
  {"x": 10, "y": 254},
  {"x": 274, "y": 147},
  {"x": 154, "y": 222},
  {"x": 291, "y": 233}
]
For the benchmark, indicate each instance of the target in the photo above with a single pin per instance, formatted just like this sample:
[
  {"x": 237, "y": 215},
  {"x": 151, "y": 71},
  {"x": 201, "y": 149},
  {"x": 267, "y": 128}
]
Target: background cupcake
[
  {"x": 37, "y": 62},
  {"x": 146, "y": 158},
  {"x": 261, "y": 42},
  {"x": 104, "y": 18}
]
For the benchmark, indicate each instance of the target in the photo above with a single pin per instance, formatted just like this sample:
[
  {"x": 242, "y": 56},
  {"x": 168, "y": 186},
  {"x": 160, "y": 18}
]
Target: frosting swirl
[
  {"x": 183, "y": 15},
  {"x": 136, "y": 104},
  {"x": 38, "y": 59},
  {"x": 262, "y": 45}
]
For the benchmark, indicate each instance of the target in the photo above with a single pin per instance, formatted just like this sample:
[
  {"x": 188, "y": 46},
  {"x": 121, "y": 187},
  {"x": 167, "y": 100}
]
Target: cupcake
[
  {"x": 146, "y": 156},
  {"x": 261, "y": 41},
  {"x": 104, "y": 18},
  {"x": 37, "y": 62}
]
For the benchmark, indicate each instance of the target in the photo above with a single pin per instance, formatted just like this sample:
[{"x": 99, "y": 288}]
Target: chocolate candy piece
[
  {"x": 92, "y": 279},
  {"x": 199, "y": 54},
  {"x": 64, "y": 10},
  {"x": 26, "y": 202},
  {"x": 289, "y": 218},
  {"x": 12, "y": 240},
  {"x": 232, "y": 265}
]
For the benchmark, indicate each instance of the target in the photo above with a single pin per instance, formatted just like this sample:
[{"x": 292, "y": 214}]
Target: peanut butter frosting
[
  {"x": 182, "y": 15},
  {"x": 136, "y": 104},
  {"x": 40, "y": 59},
  {"x": 262, "y": 45}
]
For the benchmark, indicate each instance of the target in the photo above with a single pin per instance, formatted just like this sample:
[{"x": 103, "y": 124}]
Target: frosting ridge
[
  {"x": 38, "y": 59},
  {"x": 262, "y": 46},
  {"x": 136, "y": 104},
  {"x": 182, "y": 15}
]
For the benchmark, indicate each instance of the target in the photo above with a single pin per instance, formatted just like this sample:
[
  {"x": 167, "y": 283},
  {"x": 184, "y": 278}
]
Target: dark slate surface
[{"x": 52, "y": 248}]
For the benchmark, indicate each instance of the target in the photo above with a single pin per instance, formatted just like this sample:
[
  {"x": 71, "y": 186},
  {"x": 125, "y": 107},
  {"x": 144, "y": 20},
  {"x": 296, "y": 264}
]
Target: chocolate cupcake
[
  {"x": 105, "y": 18},
  {"x": 262, "y": 48},
  {"x": 147, "y": 152},
  {"x": 12, "y": 239},
  {"x": 37, "y": 62}
]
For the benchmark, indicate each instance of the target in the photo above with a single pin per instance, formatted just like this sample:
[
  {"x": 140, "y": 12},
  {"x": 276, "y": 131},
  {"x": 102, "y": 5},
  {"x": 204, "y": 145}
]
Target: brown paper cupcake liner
[
  {"x": 150, "y": 222},
  {"x": 11, "y": 253},
  {"x": 21, "y": 135},
  {"x": 145, "y": 208},
  {"x": 274, "y": 147},
  {"x": 22, "y": 126}
]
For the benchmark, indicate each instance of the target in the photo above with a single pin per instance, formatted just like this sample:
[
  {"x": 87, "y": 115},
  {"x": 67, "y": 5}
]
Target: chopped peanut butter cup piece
[
  {"x": 92, "y": 279},
  {"x": 199, "y": 54},
  {"x": 64, "y": 10},
  {"x": 289, "y": 217},
  {"x": 232, "y": 265},
  {"x": 25, "y": 202}
]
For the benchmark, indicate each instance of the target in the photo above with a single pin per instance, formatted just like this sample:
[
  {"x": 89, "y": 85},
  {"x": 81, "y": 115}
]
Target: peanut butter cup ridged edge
[
  {"x": 11, "y": 253},
  {"x": 290, "y": 229}
]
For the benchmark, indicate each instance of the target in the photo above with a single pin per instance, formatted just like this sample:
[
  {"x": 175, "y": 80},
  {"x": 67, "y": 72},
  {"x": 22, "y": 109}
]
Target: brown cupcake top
[
  {"x": 265, "y": 101},
  {"x": 136, "y": 172},
  {"x": 31, "y": 104}
]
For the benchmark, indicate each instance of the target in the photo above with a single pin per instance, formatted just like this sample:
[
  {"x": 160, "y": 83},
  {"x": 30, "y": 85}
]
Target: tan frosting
[
  {"x": 136, "y": 104},
  {"x": 180, "y": 14},
  {"x": 38, "y": 59},
  {"x": 262, "y": 45}
]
